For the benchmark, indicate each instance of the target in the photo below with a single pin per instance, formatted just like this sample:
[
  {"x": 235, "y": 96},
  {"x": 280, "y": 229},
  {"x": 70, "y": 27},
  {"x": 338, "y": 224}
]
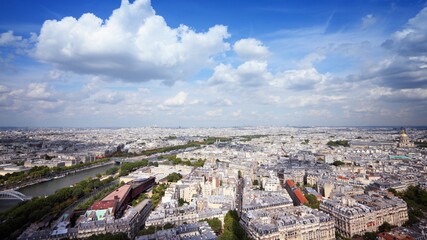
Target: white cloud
[
  {"x": 409, "y": 94},
  {"x": 312, "y": 100},
  {"x": 39, "y": 91},
  {"x": 134, "y": 44},
  {"x": 368, "y": 21},
  {"x": 273, "y": 99},
  {"x": 310, "y": 59},
  {"x": 214, "y": 113},
  {"x": 8, "y": 38},
  {"x": 411, "y": 40},
  {"x": 300, "y": 79},
  {"x": 227, "y": 102},
  {"x": 405, "y": 65},
  {"x": 178, "y": 100},
  {"x": 237, "y": 113},
  {"x": 250, "y": 48},
  {"x": 4, "y": 89},
  {"x": 195, "y": 102},
  {"x": 251, "y": 73},
  {"x": 108, "y": 97}
]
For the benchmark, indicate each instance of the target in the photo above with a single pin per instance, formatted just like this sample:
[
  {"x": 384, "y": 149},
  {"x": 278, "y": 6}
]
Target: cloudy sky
[{"x": 97, "y": 63}]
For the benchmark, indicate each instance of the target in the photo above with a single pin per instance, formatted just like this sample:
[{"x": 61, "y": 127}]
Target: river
[{"x": 49, "y": 187}]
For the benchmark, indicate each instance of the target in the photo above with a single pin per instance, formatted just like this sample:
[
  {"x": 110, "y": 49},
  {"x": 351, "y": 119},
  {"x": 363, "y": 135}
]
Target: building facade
[
  {"x": 290, "y": 223},
  {"x": 364, "y": 213}
]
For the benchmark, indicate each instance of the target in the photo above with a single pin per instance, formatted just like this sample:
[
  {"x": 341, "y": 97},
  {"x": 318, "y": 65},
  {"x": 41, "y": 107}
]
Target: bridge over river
[{"x": 13, "y": 195}]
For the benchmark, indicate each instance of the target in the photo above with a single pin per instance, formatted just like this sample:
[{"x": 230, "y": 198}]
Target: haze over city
[{"x": 212, "y": 63}]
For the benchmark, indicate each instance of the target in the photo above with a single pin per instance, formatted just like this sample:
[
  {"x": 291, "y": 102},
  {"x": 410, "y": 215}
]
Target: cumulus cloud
[
  {"x": 39, "y": 91},
  {"x": 8, "y": 38},
  {"x": 133, "y": 44},
  {"x": 250, "y": 48},
  {"x": 300, "y": 79},
  {"x": 177, "y": 100},
  {"x": 251, "y": 73}
]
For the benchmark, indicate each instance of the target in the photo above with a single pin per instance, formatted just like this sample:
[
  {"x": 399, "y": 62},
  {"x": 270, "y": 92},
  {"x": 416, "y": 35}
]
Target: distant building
[
  {"x": 11, "y": 168},
  {"x": 404, "y": 141}
]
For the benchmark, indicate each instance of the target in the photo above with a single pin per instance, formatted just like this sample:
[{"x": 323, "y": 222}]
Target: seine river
[{"x": 47, "y": 188}]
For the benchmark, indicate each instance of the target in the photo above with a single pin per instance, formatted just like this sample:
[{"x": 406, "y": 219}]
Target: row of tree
[
  {"x": 15, "y": 220},
  {"x": 337, "y": 143},
  {"x": 128, "y": 167},
  {"x": 158, "y": 193},
  {"x": 178, "y": 161},
  {"x": 232, "y": 228}
]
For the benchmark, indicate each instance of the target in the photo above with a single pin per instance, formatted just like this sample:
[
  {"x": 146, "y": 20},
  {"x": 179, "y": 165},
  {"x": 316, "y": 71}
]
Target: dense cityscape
[
  {"x": 216, "y": 183},
  {"x": 206, "y": 120}
]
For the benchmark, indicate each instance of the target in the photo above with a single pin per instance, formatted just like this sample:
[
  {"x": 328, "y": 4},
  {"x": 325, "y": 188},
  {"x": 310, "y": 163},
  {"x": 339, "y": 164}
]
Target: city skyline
[{"x": 213, "y": 64}]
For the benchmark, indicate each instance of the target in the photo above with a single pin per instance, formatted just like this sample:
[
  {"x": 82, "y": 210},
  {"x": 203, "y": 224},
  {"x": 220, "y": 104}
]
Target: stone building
[{"x": 365, "y": 213}]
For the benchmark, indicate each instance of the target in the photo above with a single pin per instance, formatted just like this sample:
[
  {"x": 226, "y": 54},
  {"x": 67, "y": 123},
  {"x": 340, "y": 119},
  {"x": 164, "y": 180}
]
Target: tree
[
  {"x": 112, "y": 171},
  {"x": 168, "y": 226},
  {"x": 227, "y": 235},
  {"x": 174, "y": 177},
  {"x": 181, "y": 202},
  {"x": 232, "y": 228},
  {"x": 338, "y": 163},
  {"x": 312, "y": 201},
  {"x": 215, "y": 224},
  {"x": 392, "y": 190},
  {"x": 385, "y": 227},
  {"x": 255, "y": 182},
  {"x": 337, "y": 143},
  {"x": 147, "y": 231},
  {"x": 370, "y": 236}
]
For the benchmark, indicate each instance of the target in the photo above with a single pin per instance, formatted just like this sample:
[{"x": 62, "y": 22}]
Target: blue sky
[{"x": 195, "y": 63}]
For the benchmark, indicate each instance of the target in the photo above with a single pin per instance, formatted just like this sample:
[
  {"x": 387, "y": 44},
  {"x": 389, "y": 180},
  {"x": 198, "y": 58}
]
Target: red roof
[
  {"x": 290, "y": 183},
  {"x": 300, "y": 196},
  {"x": 104, "y": 204},
  {"x": 119, "y": 194},
  {"x": 343, "y": 178}
]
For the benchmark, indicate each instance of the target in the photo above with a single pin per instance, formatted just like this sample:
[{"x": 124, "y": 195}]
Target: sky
[{"x": 192, "y": 63}]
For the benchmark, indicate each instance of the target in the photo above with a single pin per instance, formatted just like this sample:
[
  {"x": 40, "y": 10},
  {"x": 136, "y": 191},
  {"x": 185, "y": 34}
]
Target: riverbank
[{"x": 60, "y": 175}]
